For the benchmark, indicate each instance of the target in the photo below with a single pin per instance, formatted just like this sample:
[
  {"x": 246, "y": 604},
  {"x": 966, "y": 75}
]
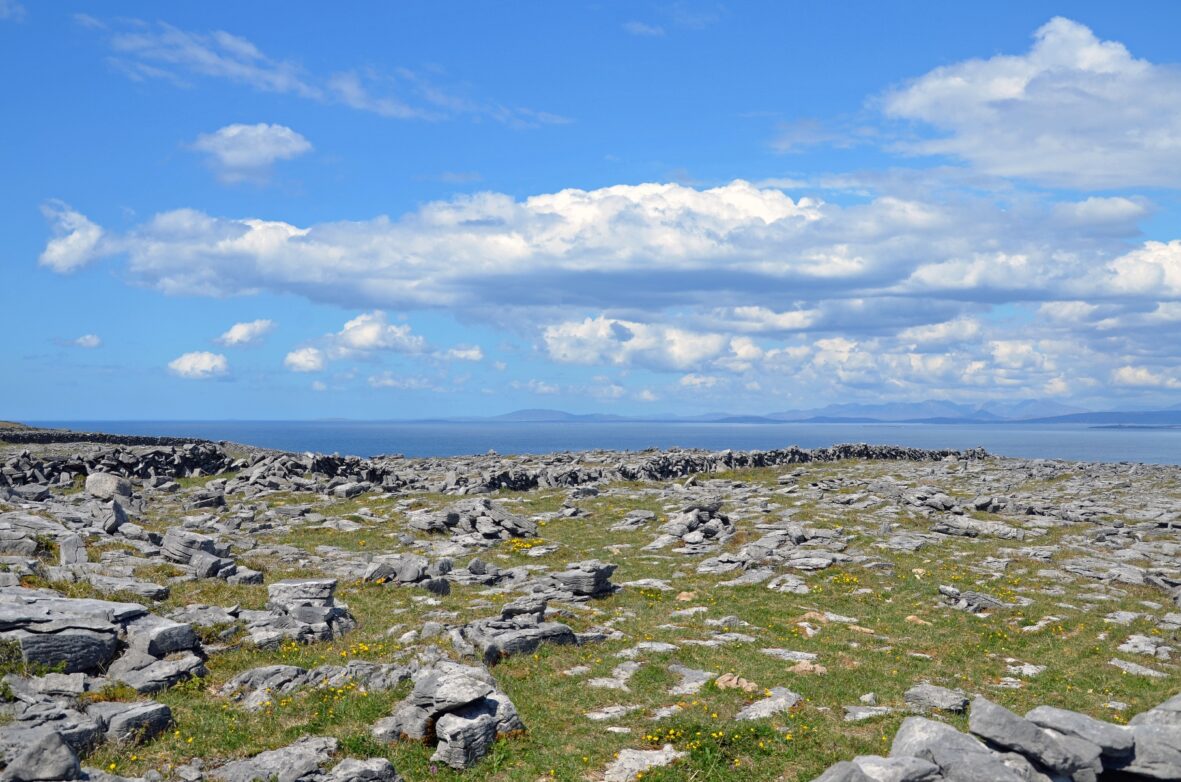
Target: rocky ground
[{"x": 207, "y": 611}]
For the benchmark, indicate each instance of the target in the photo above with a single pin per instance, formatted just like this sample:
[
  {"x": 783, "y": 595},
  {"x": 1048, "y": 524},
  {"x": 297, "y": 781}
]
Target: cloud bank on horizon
[{"x": 999, "y": 249}]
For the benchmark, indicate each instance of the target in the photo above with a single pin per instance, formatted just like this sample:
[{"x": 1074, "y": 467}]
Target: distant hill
[
  {"x": 1141, "y": 418},
  {"x": 553, "y": 416},
  {"x": 885, "y": 411},
  {"x": 930, "y": 410},
  {"x": 1029, "y": 408}
]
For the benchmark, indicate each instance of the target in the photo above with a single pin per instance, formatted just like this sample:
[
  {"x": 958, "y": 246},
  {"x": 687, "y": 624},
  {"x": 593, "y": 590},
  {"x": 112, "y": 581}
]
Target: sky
[{"x": 278, "y": 210}]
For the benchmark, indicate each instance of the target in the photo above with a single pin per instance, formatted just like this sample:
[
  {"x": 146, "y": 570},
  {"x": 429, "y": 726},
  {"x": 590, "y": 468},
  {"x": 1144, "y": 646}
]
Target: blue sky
[{"x": 267, "y": 210}]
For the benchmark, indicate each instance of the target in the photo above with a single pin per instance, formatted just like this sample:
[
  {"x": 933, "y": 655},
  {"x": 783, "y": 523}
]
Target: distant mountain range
[{"x": 1029, "y": 411}]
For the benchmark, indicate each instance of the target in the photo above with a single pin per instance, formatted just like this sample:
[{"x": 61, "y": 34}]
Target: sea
[{"x": 1072, "y": 442}]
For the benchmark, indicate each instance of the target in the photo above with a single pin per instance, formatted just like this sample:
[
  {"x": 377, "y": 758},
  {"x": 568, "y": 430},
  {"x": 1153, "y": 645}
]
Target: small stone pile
[
  {"x": 699, "y": 527},
  {"x": 795, "y": 546},
  {"x": 410, "y": 570},
  {"x": 578, "y": 583},
  {"x": 520, "y": 629},
  {"x": 477, "y": 521},
  {"x": 299, "y": 609},
  {"x": 457, "y": 708},
  {"x": 205, "y": 557}
]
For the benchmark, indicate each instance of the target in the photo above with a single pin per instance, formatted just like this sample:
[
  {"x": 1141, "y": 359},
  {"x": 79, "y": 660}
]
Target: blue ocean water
[{"x": 369, "y": 438}]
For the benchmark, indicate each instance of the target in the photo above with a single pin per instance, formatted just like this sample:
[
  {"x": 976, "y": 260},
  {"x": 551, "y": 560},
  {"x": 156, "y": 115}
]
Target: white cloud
[
  {"x": 153, "y": 50},
  {"x": 465, "y": 353},
  {"x": 371, "y": 331},
  {"x": 319, "y": 385},
  {"x": 603, "y": 387},
  {"x": 1129, "y": 375},
  {"x": 794, "y": 296},
  {"x": 643, "y": 29},
  {"x": 246, "y": 333},
  {"x": 762, "y": 319},
  {"x": 693, "y": 380},
  {"x": 199, "y": 365},
  {"x": 451, "y": 252},
  {"x": 1069, "y": 312},
  {"x": 944, "y": 333},
  {"x": 537, "y": 387},
  {"x": 164, "y": 52},
  {"x": 1018, "y": 354},
  {"x": 89, "y": 341},
  {"x": 1119, "y": 212},
  {"x": 362, "y": 336},
  {"x": 1154, "y": 269},
  {"x": 349, "y": 88},
  {"x": 390, "y": 380},
  {"x": 604, "y": 340},
  {"x": 1073, "y": 111},
  {"x": 75, "y": 239},
  {"x": 247, "y": 152},
  {"x": 304, "y": 360}
]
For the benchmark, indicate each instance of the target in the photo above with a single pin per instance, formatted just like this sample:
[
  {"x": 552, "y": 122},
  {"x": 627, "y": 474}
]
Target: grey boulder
[
  {"x": 960, "y": 757},
  {"x": 925, "y": 697},
  {"x": 105, "y": 486},
  {"x": 1004, "y": 729},
  {"x": 1158, "y": 752},
  {"x": 302, "y": 760},
  {"x": 49, "y": 758},
  {"x": 131, "y": 722},
  {"x": 371, "y": 770},
  {"x": 1114, "y": 740}
]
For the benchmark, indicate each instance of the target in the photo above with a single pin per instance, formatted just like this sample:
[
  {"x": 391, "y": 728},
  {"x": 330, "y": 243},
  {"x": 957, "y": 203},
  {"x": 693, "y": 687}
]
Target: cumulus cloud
[
  {"x": 763, "y": 319},
  {"x": 304, "y": 360},
  {"x": 1073, "y": 111},
  {"x": 371, "y": 331},
  {"x": 602, "y": 340},
  {"x": 247, "y": 152},
  {"x": 89, "y": 341},
  {"x": 1069, "y": 312},
  {"x": 199, "y": 365},
  {"x": 940, "y": 334},
  {"x": 1154, "y": 269},
  {"x": 365, "y": 335},
  {"x": 903, "y": 295},
  {"x": 1143, "y": 377},
  {"x": 247, "y": 333},
  {"x": 75, "y": 239},
  {"x": 450, "y": 252},
  {"x": 620, "y": 247}
]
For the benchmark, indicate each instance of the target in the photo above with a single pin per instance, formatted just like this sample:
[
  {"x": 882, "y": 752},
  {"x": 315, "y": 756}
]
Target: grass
[{"x": 950, "y": 648}]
